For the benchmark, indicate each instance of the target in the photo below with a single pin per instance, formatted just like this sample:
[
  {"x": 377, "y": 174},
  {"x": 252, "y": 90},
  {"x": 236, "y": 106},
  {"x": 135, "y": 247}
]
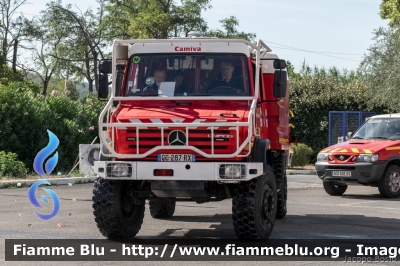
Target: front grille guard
[{"x": 103, "y": 133}]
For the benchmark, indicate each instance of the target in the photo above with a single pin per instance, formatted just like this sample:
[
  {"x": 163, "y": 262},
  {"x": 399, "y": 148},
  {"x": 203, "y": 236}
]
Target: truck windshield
[
  {"x": 379, "y": 128},
  {"x": 170, "y": 75}
]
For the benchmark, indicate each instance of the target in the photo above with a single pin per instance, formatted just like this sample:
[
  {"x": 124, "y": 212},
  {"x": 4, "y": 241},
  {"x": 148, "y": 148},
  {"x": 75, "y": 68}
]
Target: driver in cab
[{"x": 227, "y": 79}]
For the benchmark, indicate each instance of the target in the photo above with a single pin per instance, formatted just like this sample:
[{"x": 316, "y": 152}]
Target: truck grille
[
  {"x": 343, "y": 157},
  {"x": 224, "y": 140}
]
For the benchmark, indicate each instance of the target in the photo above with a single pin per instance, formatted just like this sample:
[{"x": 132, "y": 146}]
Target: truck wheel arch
[
  {"x": 393, "y": 159},
  {"x": 259, "y": 152}
]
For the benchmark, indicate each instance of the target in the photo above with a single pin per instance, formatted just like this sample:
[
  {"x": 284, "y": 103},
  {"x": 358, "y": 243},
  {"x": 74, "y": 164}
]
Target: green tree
[
  {"x": 42, "y": 44},
  {"x": 382, "y": 68},
  {"x": 154, "y": 19},
  {"x": 316, "y": 91},
  {"x": 229, "y": 26},
  {"x": 390, "y": 9},
  {"x": 6, "y": 73},
  {"x": 14, "y": 79},
  {"x": 25, "y": 118},
  {"x": 10, "y": 25},
  {"x": 58, "y": 86},
  {"x": 82, "y": 41}
]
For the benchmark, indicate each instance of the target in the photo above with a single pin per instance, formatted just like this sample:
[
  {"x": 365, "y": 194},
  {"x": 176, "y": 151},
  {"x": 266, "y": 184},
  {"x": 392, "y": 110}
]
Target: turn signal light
[{"x": 247, "y": 147}]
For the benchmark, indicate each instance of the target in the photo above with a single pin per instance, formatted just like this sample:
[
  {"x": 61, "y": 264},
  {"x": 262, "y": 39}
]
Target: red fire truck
[{"x": 192, "y": 119}]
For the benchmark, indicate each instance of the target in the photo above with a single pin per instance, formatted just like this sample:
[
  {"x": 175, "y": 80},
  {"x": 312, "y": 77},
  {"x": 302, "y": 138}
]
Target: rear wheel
[
  {"x": 334, "y": 189},
  {"x": 254, "y": 206},
  {"x": 162, "y": 207},
  {"x": 279, "y": 167},
  {"x": 115, "y": 213},
  {"x": 282, "y": 200},
  {"x": 389, "y": 185}
]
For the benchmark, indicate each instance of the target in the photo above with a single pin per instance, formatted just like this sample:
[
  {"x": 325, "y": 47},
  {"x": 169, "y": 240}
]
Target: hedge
[{"x": 25, "y": 118}]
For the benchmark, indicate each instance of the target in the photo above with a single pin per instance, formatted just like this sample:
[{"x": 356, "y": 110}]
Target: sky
[{"x": 318, "y": 32}]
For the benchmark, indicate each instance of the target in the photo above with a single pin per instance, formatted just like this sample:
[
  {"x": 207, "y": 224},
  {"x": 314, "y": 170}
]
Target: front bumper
[
  {"x": 190, "y": 171},
  {"x": 360, "y": 172}
]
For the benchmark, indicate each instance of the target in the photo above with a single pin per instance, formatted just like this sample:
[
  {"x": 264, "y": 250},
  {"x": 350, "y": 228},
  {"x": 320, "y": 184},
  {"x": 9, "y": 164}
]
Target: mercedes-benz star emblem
[{"x": 177, "y": 137}]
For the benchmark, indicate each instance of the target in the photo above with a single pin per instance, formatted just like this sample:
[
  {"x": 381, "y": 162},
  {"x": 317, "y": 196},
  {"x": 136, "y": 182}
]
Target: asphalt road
[{"x": 312, "y": 214}]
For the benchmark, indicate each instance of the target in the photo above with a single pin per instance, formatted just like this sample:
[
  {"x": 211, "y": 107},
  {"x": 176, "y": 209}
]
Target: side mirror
[
  {"x": 103, "y": 86},
  {"x": 105, "y": 66},
  {"x": 279, "y": 64},
  {"x": 280, "y": 83},
  {"x": 349, "y": 134}
]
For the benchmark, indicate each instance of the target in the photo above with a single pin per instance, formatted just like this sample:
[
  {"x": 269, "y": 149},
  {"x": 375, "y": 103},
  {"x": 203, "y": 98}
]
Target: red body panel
[
  {"x": 275, "y": 115},
  {"x": 385, "y": 149},
  {"x": 184, "y": 113}
]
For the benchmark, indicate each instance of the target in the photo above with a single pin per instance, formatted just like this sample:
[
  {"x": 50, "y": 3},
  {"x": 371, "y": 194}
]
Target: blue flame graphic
[
  {"x": 44, "y": 153},
  {"x": 38, "y": 167},
  {"x": 34, "y": 201}
]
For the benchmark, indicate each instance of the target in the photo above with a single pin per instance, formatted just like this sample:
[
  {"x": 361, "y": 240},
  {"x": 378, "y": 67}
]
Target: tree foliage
[
  {"x": 382, "y": 68},
  {"x": 390, "y": 9},
  {"x": 11, "y": 166},
  {"x": 154, "y": 19},
  {"x": 301, "y": 154},
  {"x": 82, "y": 41},
  {"x": 42, "y": 45},
  {"x": 229, "y": 30},
  {"x": 25, "y": 118},
  {"x": 15, "y": 80},
  {"x": 10, "y": 25},
  {"x": 67, "y": 43},
  {"x": 159, "y": 19},
  {"x": 316, "y": 91}
]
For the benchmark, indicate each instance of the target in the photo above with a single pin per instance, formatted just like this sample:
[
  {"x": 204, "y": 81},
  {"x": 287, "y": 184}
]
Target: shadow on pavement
[
  {"x": 313, "y": 226},
  {"x": 376, "y": 197}
]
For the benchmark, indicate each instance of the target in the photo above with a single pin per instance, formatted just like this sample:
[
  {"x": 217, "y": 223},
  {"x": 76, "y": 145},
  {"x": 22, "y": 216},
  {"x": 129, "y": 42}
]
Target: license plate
[
  {"x": 176, "y": 157},
  {"x": 341, "y": 173}
]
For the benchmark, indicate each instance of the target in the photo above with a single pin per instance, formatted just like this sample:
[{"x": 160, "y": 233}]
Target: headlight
[
  {"x": 367, "y": 158},
  {"x": 322, "y": 157},
  {"x": 119, "y": 170},
  {"x": 232, "y": 171}
]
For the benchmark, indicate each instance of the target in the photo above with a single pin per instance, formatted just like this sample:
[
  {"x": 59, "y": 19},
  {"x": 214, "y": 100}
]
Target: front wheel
[
  {"x": 254, "y": 206},
  {"x": 116, "y": 215},
  {"x": 389, "y": 185},
  {"x": 334, "y": 189}
]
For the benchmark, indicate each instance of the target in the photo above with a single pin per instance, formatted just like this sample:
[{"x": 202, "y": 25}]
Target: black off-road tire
[
  {"x": 115, "y": 215},
  {"x": 254, "y": 207},
  {"x": 389, "y": 184},
  {"x": 282, "y": 200},
  {"x": 279, "y": 167},
  {"x": 334, "y": 189},
  {"x": 162, "y": 207}
]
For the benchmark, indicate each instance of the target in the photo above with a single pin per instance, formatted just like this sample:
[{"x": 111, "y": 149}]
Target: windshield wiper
[
  {"x": 378, "y": 138},
  {"x": 357, "y": 137}
]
